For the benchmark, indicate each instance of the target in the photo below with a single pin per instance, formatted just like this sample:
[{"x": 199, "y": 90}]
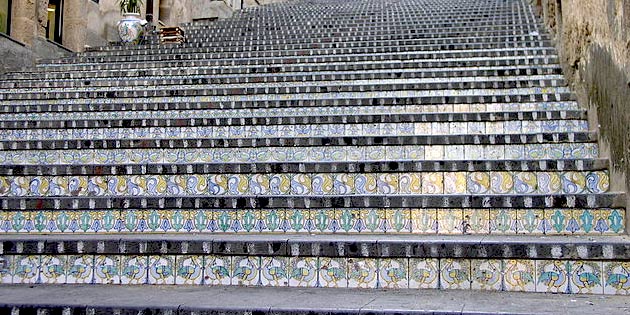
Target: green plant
[{"x": 130, "y": 6}]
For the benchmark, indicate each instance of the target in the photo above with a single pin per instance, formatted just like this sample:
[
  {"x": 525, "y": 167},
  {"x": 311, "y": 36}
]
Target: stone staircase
[{"x": 315, "y": 143}]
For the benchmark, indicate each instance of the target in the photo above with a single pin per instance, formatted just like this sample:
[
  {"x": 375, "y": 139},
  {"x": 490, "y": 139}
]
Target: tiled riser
[
  {"x": 561, "y": 276},
  {"x": 309, "y": 184},
  {"x": 498, "y": 108},
  {"x": 300, "y": 131},
  {"x": 312, "y": 86},
  {"x": 304, "y": 154},
  {"x": 340, "y": 221}
]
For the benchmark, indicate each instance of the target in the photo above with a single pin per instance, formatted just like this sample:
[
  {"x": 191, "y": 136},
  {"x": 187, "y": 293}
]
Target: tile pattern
[
  {"x": 552, "y": 221},
  {"x": 302, "y": 154},
  {"x": 558, "y": 276},
  {"x": 318, "y": 184}
]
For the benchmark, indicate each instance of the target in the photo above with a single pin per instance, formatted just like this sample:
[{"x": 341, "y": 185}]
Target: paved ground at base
[{"x": 327, "y": 301}]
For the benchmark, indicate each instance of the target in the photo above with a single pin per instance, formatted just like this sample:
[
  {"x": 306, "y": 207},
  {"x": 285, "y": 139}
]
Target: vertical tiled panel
[
  {"x": 189, "y": 269},
  {"x": 393, "y": 273},
  {"x": 362, "y": 273},
  {"x": 161, "y": 269},
  {"x": 519, "y": 275},
  {"x": 487, "y": 274},
  {"x": 108, "y": 269},
  {"x": 217, "y": 270},
  {"x": 80, "y": 269},
  {"x": 455, "y": 274},
  {"x": 274, "y": 271},
  {"x": 303, "y": 272},
  {"x": 424, "y": 273},
  {"x": 333, "y": 272},
  {"x": 245, "y": 270}
]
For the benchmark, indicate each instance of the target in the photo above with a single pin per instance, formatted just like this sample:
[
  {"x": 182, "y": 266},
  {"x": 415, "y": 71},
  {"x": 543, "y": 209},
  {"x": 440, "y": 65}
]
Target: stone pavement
[{"x": 251, "y": 300}]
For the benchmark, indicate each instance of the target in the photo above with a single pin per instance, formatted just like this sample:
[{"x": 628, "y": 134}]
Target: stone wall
[
  {"x": 593, "y": 37},
  {"x": 16, "y": 56}
]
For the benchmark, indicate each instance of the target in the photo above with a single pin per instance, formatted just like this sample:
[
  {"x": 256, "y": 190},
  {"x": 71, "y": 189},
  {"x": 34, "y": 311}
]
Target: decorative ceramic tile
[
  {"x": 519, "y": 275},
  {"x": 586, "y": 277},
  {"x": 573, "y": 182},
  {"x": 134, "y": 270},
  {"x": 343, "y": 220},
  {"x": 454, "y": 182},
  {"x": 558, "y": 221},
  {"x": 387, "y": 183},
  {"x": 333, "y": 272},
  {"x": 107, "y": 269},
  {"x": 365, "y": 184},
  {"x": 501, "y": 182},
  {"x": 455, "y": 152},
  {"x": 303, "y": 271},
  {"x": 161, "y": 269},
  {"x": 597, "y": 182},
  {"x": 26, "y": 269},
  {"x": 323, "y": 184},
  {"x": 478, "y": 182},
  {"x": 424, "y": 221},
  {"x": 279, "y": 184},
  {"x": 455, "y": 274},
  {"x": 53, "y": 269},
  {"x": 274, "y": 271},
  {"x": 374, "y": 220},
  {"x": 610, "y": 221},
  {"x": 322, "y": 218},
  {"x": 398, "y": 220},
  {"x": 188, "y": 269},
  {"x": 344, "y": 184},
  {"x": 432, "y": 183},
  {"x": 503, "y": 221},
  {"x": 6, "y": 264},
  {"x": 476, "y": 221},
  {"x": 217, "y": 270},
  {"x": 245, "y": 270},
  {"x": 410, "y": 183},
  {"x": 226, "y": 220},
  {"x": 80, "y": 269},
  {"x": 450, "y": 221},
  {"x": 531, "y": 221},
  {"x": 424, "y": 273},
  {"x": 434, "y": 152},
  {"x": 301, "y": 184},
  {"x": 362, "y": 273},
  {"x": 487, "y": 274},
  {"x": 616, "y": 277},
  {"x": 297, "y": 220},
  {"x": 218, "y": 184},
  {"x": 393, "y": 273},
  {"x": 552, "y": 276},
  {"x": 549, "y": 182},
  {"x": 525, "y": 183}
]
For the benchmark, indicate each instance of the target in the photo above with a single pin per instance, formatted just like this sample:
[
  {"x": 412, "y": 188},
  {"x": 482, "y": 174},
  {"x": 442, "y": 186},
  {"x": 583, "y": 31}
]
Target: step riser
[
  {"x": 300, "y": 131},
  {"x": 368, "y": 221}
]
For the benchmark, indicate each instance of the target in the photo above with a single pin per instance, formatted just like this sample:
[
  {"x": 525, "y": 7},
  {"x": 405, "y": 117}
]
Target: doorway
[{"x": 54, "y": 27}]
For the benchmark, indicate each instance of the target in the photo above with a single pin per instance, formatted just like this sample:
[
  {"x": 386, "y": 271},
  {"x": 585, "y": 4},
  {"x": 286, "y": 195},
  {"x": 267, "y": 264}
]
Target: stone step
[
  {"x": 547, "y": 120},
  {"x": 375, "y": 40},
  {"x": 186, "y": 300},
  {"x": 253, "y": 77},
  {"x": 190, "y": 110},
  {"x": 427, "y": 44},
  {"x": 327, "y": 35},
  {"x": 495, "y": 263},
  {"x": 585, "y": 200},
  {"x": 339, "y": 221},
  {"x": 415, "y": 84},
  {"x": 310, "y": 154},
  {"x": 205, "y": 68},
  {"x": 429, "y": 97},
  {"x": 276, "y": 141},
  {"x": 339, "y": 166},
  {"x": 331, "y": 55},
  {"x": 265, "y": 131},
  {"x": 279, "y": 184}
]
